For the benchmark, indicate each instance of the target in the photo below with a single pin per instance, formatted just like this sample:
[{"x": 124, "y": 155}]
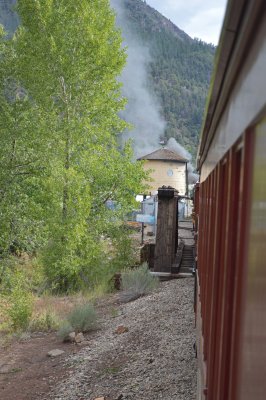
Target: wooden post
[{"x": 166, "y": 237}]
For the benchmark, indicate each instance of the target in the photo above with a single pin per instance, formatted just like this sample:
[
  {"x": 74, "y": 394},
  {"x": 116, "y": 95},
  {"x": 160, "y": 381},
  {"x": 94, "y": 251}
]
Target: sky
[{"x": 198, "y": 18}]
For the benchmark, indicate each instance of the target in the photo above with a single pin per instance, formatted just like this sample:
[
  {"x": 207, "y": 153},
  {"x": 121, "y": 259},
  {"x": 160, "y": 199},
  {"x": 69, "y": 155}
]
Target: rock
[
  {"x": 55, "y": 353},
  {"x": 79, "y": 337},
  {"x": 121, "y": 329},
  {"x": 4, "y": 368},
  {"x": 70, "y": 337},
  {"x": 100, "y": 398}
]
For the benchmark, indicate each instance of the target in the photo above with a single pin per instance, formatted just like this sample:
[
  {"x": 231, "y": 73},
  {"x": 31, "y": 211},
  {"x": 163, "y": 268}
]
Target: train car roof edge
[{"x": 233, "y": 43}]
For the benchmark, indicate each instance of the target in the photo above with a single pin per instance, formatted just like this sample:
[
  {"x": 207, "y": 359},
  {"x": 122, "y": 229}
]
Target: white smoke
[
  {"x": 193, "y": 177},
  {"x": 142, "y": 110},
  {"x": 173, "y": 145}
]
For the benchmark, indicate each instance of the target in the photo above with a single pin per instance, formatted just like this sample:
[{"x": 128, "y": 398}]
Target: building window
[{"x": 170, "y": 172}]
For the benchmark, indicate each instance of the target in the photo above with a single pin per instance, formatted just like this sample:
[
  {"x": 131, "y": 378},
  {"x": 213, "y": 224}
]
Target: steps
[{"x": 187, "y": 260}]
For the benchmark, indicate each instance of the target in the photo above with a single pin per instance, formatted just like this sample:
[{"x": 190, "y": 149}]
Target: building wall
[{"x": 161, "y": 175}]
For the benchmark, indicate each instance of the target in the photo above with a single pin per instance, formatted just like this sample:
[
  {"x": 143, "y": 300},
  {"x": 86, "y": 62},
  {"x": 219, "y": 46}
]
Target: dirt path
[
  {"x": 152, "y": 359},
  {"x": 26, "y": 372},
  {"x": 25, "y": 369}
]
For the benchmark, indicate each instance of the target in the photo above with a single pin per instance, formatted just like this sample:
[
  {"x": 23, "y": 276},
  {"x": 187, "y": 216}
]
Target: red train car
[{"x": 231, "y": 214}]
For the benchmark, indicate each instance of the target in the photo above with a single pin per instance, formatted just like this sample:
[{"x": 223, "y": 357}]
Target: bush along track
[{"x": 137, "y": 282}]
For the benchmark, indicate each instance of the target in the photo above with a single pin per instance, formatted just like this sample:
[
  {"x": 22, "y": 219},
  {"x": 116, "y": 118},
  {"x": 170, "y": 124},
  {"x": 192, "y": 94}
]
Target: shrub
[
  {"x": 125, "y": 252},
  {"x": 19, "y": 300},
  {"x": 65, "y": 330},
  {"x": 83, "y": 318},
  {"x": 136, "y": 283},
  {"x": 20, "y": 309}
]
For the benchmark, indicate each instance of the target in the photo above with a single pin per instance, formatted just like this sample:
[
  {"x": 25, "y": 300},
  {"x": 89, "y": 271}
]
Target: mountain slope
[{"x": 179, "y": 71}]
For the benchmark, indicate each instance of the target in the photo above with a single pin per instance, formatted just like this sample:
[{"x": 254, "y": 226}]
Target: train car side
[{"x": 231, "y": 214}]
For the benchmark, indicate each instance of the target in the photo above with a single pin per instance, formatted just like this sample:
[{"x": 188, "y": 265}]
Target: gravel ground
[{"x": 153, "y": 360}]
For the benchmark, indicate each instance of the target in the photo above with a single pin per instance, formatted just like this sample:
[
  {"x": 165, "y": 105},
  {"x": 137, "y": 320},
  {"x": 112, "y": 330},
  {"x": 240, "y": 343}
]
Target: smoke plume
[
  {"x": 177, "y": 148},
  {"x": 173, "y": 145},
  {"x": 142, "y": 110}
]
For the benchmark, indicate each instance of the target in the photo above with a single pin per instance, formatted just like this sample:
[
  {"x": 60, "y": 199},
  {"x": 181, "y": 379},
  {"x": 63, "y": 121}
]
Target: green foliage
[
  {"x": 20, "y": 311},
  {"x": 60, "y": 157},
  {"x": 64, "y": 330},
  {"x": 83, "y": 318},
  {"x": 125, "y": 252},
  {"x": 136, "y": 283},
  {"x": 20, "y": 304},
  {"x": 7, "y": 268},
  {"x": 23, "y": 271}
]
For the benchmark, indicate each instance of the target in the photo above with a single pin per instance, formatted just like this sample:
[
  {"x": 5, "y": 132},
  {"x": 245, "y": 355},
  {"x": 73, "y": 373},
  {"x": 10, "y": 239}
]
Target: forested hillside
[{"x": 179, "y": 71}]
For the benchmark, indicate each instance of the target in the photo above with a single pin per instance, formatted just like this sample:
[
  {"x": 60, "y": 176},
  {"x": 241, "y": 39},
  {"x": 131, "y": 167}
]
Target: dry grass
[
  {"x": 48, "y": 314},
  {"x": 4, "y": 306},
  {"x": 59, "y": 305},
  {"x": 48, "y": 311}
]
